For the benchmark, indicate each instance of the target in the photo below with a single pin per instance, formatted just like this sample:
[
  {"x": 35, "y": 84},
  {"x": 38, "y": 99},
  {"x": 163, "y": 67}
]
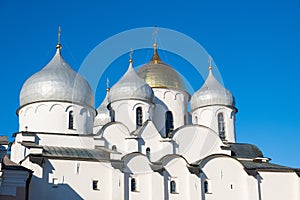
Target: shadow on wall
[{"x": 50, "y": 188}]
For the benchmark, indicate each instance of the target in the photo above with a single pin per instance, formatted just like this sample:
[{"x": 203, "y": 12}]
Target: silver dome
[
  {"x": 131, "y": 86},
  {"x": 212, "y": 93},
  {"x": 57, "y": 82}
]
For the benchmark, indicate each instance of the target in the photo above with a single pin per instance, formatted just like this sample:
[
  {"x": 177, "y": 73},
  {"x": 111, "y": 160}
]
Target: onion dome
[
  {"x": 212, "y": 93},
  {"x": 103, "y": 114},
  {"x": 131, "y": 86},
  {"x": 160, "y": 75},
  {"x": 57, "y": 81}
]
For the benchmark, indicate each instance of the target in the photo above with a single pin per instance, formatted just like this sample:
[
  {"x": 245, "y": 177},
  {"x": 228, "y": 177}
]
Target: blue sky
[{"x": 255, "y": 44}]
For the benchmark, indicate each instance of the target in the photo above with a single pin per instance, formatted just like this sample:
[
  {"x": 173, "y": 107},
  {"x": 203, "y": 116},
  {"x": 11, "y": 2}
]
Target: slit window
[
  {"x": 172, "y": 186},
  {"x": 71, "y": 120},
  {"x": 221, "y": 126},
  {"x": 96, "y": 185},
  {"x": 55, "y": 182},
  {"x": 133, "y": 185},
  {"x": 139, "y": 116},
  {"x": 169, "y": 123},
  {"x": 148, "y": 152},
  {"x": 207, "y": 187}
]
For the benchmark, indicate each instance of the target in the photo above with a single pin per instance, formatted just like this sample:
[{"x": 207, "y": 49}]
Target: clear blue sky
[{"x": 255, "y": 44}]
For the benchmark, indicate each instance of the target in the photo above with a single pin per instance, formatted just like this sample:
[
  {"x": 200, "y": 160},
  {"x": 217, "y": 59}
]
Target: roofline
[
  {"x": 61, "y": 101},
  {"x": 232, "y": 107}
]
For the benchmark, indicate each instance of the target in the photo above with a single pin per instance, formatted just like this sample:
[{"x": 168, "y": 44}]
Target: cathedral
[{"x": 149, "y": 139}]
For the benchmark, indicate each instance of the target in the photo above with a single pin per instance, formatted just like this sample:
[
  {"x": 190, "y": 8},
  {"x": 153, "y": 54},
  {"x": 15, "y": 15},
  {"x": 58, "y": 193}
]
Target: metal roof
[
  {"x": 266, "y": 166},
  {"x": 240, "y": 150},
  {"x": 74, "y": 153}
]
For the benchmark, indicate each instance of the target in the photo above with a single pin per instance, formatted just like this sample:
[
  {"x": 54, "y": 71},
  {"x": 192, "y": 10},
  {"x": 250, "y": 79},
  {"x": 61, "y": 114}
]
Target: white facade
[{"x": 139, "y": 143}]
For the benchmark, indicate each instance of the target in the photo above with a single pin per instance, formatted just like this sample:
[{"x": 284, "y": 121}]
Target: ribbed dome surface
[
  {"x": 160, "y": 75},
  {"x": 212, "y": 93},
  {"x": 57, "y": 82},
  {"x": 131, "y": 86}
]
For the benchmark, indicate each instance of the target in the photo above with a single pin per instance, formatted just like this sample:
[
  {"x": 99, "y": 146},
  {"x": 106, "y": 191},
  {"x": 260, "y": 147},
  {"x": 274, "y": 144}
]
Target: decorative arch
[
  {"x": 29, "y": 109},
  {"x": 41, "y": 106},
  {"x": 70, "y": 107},
  {"x": 177, "y": 95},
  {"x": 171, "y": 92},
  {"x": 138, "y": 105},
  {"x": 54, "y": 106}
]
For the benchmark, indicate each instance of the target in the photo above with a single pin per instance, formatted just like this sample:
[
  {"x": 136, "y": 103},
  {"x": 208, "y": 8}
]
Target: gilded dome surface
[
  {"x": 57, "y": 81},
  {"x": 131, "y": 86},
  {"x": 160, "y": 75},
  {"x": 212, "y": 93}
]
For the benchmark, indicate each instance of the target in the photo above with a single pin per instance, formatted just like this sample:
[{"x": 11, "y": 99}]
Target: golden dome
[{"x": 158, "y": 74}]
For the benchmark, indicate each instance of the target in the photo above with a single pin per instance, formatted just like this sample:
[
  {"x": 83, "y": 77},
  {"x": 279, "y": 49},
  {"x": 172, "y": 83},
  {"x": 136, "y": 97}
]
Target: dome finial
[
  {"x": 107, "y": 85},
  {"x": 210, "y": 63},
  {"x": 155, "y": 58},
  {"x": 58, "y": 46},
  {"x": 130, "y": 56}
]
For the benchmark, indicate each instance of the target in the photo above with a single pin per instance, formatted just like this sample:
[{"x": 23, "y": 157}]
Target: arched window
[
  {"x": 148, "y": 152},
  {"x": 133, "y": 185},
  {"x": 173, "y": 187},
  {"x": 205, "y": 187},
  {"x": 114, "y": 148},
  {"x": 169, "y": 123},
  {"x": 221, "y": 126},
  {"x": 139, "y": 116},
  {"x": 71, "y": 120},
  {"x": 196, "y": 119}
]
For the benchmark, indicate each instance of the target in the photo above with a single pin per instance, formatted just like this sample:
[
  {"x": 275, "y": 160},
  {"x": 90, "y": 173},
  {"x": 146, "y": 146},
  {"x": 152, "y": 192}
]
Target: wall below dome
[
  {"x": 208, "y": 116},
  {"x": 125, "y": 112},
  {"x": 53, "y": 117},
  {"x": 169, "y": 100}
]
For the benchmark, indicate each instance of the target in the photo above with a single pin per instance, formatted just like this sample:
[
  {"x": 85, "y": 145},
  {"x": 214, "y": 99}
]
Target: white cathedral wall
[
  {"x": 196, "y": 142},
  {"x": 125, "y": 112},
  {"x": 226, "y": 179},
  {"x": 71, "y": 179},
  {"x": 186, "y": 185},
  {"x": 208, "y": 116},
  {"x": 54, "y": 117},
  {"x": 279, "y": 185},
  {"x": 169, "y": 100}
]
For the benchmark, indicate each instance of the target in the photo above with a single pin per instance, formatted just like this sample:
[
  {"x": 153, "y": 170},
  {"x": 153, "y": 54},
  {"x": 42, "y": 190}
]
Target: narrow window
[
  {"x": 133, "y": 185},
  {"x": 55, "y": 182},
  {"x": 96, "y": 185},
  {"x": 148, "y": 152},
  {"x": 77, "y": 168},
  {"x": 169, "y": 123},
  {"x": 139, "y": 116},
  {"x": 196, "y": 119},
  {"x": 112, "y": 113},
  {"x": 173, "y": 187},
  {"x": 114, "y": 148},
  {"x": 221, "y": 126},
  {"x": 206, "y": 187},
  {"x": 71, "y": 120}
]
